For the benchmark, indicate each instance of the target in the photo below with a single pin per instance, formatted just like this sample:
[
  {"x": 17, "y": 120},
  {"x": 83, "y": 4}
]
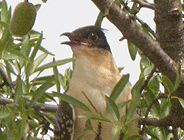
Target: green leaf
[
  {"x": 180, "y": 100},
  {"x": 134, "y": 102},
  {"x": 149, "y": 96},
  {"x": 134, "y": 8},
  {"x": 23, "y": 125},
  {"x": 122, "y": 104},
  {"x": 5, "y": 25},
  {"x": 170, "y": 136},
  {"x": 25, "y": 48},
  {"x": 90, "y": 102},
  {"x": 41, "y": 90},
  {"x": 148, "y": 70},
  {"x": 134, "y": 137},
  {"x": 167, "y": 84},
  {"x": 41, "y": 80},
  {"x": 112, "y": 108},
  {"x": 119, "y": 87},
  {"x": 36, "y": 48},
  {"x": 19, "y": 54},
  {"x": 74, "y": 102},
  {"x": 151, "y": 133},
  {"x": 178, "y": 78},
  {"x": 116, "y": 131},
  {"x": 120, "y": 69},
  {"x": 4, "y": 11},
  {"x": 18, "y": 91},
  {"x": 44, "y": 1},
  {"x": 88, "y": 125},
  {"x": 56, "y": 75},
  {"x": 80, "y": 137},
  {"x": 36, "y": 63},
  {"x": 54, "y": 64},
  {"x": 132, "y": 50},
  {"x": 165, "y": 108},
  {"x": 4, "y": 114},
  {"x": 93, "y": 117}
]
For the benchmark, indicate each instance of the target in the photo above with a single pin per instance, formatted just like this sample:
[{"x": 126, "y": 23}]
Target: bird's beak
[{"x": 73, "y": 39}]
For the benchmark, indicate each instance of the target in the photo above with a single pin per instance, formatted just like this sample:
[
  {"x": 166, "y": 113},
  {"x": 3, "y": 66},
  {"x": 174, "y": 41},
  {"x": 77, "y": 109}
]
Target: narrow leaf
[
  {"x": 4, "y": 11},
  {"x": 134, "y": 102},
  {"x": 56, "y": 75},
  {"x": 5, "y": 25},
  {"x": 116, "y": 131},
  {"x": 36, "y": 48},
  {"x": 54, "y": 64},
  {"x": 178, "y": 78},
  {"x": 23, "y": 125},
  {"x": 37, "y": 62},
  {"x": 19, "y": 54},
  {"x": 74, "y": 102},
  {"x": 18, "y": 91},
  {"x": 41, "y": 90},
  {"x": 112, "y": 108},
  {"x": 135, "y": 137},
  {"x": 180, "y": 100},
  {"x": 132, "y": 50},
  {"x": 119, "y": 87},
  {"x": 80, "y": 137},
  {"x": 90, "y": 102},
  {"x": 4, "y": 114},
  {"x": 93, "y": 117},
  {"x": 167, "y": 84}
]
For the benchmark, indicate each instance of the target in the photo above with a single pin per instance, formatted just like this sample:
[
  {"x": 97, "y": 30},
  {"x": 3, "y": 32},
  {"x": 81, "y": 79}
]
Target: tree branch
[
  {"x": 132, "y": 32},
  {"x": 37, "y": 106}
]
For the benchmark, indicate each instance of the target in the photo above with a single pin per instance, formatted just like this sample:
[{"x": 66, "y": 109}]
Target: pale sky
[{"x": 58, "y": 16}]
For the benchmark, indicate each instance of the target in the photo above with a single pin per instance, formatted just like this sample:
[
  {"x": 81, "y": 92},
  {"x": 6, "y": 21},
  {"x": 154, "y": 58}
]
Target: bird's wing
[{"x": 65, "y": 122}]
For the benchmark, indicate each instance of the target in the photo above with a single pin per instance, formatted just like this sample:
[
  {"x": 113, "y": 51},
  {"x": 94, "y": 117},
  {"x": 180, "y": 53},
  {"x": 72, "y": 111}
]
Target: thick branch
[
  {"x": 132, "y": 32},
  {"x": 170, "y": 29},
  {"x": 37, "y": 106}
]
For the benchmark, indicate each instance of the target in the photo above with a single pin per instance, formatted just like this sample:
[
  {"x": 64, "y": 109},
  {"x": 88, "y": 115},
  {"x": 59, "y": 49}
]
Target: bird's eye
[{"x": 93, "y": 36}]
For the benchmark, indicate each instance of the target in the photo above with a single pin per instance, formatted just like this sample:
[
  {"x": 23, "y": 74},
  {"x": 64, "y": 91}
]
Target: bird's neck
[{"x": 102, "y": 69}]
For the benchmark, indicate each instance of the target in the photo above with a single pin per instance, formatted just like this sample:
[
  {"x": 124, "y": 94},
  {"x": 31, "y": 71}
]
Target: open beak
[{"x": 73, "y": 39}]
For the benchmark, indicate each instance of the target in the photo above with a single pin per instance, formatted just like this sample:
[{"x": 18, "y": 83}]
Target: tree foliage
[{"x": 24, "y": 109}]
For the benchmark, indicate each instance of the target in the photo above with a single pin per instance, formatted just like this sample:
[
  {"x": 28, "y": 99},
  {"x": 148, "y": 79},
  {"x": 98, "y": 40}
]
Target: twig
[
  {"x": 25, "y": 132},
  {"x": 98, "y": 137},
  {"x": 175, "y": 133},
  {"x": 155, "y": 122},
  {"x": 149, "y": 109},
  {"x": 145, "y": 25},
  {"x": 37, "y": 106},
  {"x": 147, "y": 80},
  {"x": 46, "y": 123},
  {"x": 4, "y": 77},
  {"x": 145, "y": 4}
]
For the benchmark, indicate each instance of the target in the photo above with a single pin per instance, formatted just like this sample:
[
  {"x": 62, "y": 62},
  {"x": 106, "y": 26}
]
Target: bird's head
[{"x": 89, "y": 41}]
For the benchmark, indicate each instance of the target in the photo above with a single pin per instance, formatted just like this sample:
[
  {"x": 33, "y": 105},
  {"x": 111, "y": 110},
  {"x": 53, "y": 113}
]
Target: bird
[{"x": 96, "y": 74}]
